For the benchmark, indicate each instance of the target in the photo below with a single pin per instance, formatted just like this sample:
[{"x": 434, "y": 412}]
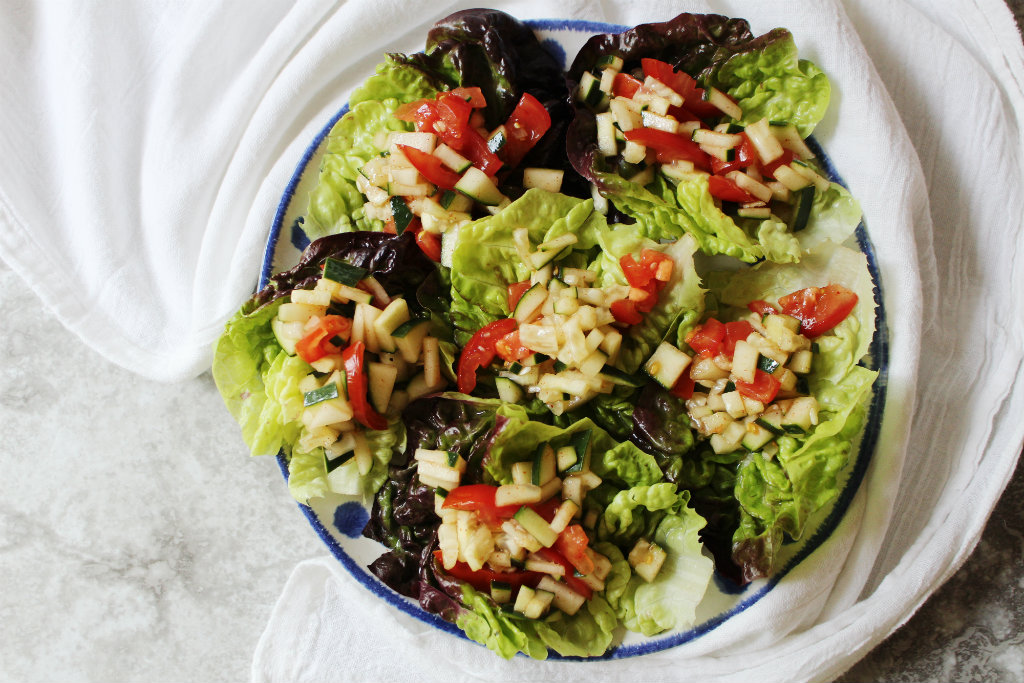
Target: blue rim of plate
[{"x": 878, "y": 354}]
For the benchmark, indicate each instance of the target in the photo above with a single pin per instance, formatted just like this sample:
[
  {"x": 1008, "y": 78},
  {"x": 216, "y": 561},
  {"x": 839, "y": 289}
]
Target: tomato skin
[
  {"x": 480, "y": 498},
  {"x": 480, "y": 579},
  {"x": 572, "y": 545},
  {"x": 510, "y": 348},
  {"x": 352, "y": 359},
  {"x": 454, "y": 112},
  {"x": 819, "y": 308},
  {"x": 527, "y": 124},
  {"x": 571, "y": 581},
  {"x": 762, "y": 307},
  {"x": 734, "y": 332},
  {"x": 684, "y": 386},
  {"x": 473, "y": 146},
  {"x": 636, "y": 275},
  {"x": 726, "y": 189},
  {"x": 474, "y": 96},
  {"x": 625, "y": 85},
  {"x": 430, "y": 167},
  {"x": 317, "y": 342},
  {"x": 515, "y": 293},
  {"x": 769, "y": 168},
  {"x": 669, "y": 146},
  {"x": 764, "y": 388},
  {"x": 707, "y": 338},
  {"x": 682, "y": 83},
  {"x": 626, "y": 312},
  {"x": 429, "y": 244},
  {"x": 746, "y": 156},
  {"x": 480, "y": 351}
]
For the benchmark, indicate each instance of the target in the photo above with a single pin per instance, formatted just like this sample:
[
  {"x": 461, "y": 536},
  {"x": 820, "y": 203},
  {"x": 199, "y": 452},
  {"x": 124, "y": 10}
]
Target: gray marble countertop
[{"x": 140, "y": 542}]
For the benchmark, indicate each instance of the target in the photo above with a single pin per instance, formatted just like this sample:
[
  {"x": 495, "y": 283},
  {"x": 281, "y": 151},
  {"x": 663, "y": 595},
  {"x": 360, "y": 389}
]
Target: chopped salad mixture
[{"x": 580, "y": 340}]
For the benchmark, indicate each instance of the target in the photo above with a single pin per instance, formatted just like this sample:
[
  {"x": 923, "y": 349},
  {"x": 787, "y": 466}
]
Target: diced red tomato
[
  {"x": 546, "y": 509},
  {"x": 510, "y": 348},
  {"x": 682, "y": 83},
  {"x": 475, "y": 96},
  {"x": 764, "y": 388},
  {"x": 769, "y": 168},
  {"x": 734, "y": 332},
  {"x": 481, "y": 578},
  {"x": 429, "y": 244},
  {"x": 480, "y": 351},
  {"x": 421, "y": 112},
  {"x": 682, "y": 114},
  {"x": 571, "y": 581},
  {"x": 515, "y": 293},
  {"x": 430, "y": 167},
  {"x": 480, "y": 498},
  {"x": 670, "y": 147},
  {"x": 819, "y": 308},
  {"x": 525, "y": 126},
  {"x": 762, "y": 307},
  {"x": 317, "y": 342},
  {"x": 707, "y": 338},
  {"x": 453, "y": 113},
  {"x": 646, "y": 297},
  {"x": 684, "y": 386},
  {"x": 352, "y": 359},
  {"x": 745, "y": 157},
  {"x": 636, "y": 275},
  {"x": 727, "y": 190},
  {"x": 626, "y": 312},
  {"x": 625, "y": 85},
  {"x": 474, "y": 147},
  {"x": 572, "y": 545}
]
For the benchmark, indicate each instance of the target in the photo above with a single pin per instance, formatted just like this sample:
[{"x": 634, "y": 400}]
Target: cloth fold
[{"x": 145, "y": 151}]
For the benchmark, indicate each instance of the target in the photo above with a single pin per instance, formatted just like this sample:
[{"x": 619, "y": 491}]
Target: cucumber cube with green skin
[
  {"x": 403, "y": 216},
  {"x": 345, "y": 273},
  {"x": 508, "y": 391},
  {"x": 580, "y": 442},
  {"x": 501, "y": 592},
  {"x": 543, "y": 465},
  {"x": 757, "y": 437},
  {"x": 391, "y": 318},
  {"x": 478, "y": 186},
  {"x": 285, "y": 333},
  {"x": 408, "y": 338},
  {"x": 536, "y": 525},
  {"x": 667, "y": 364}
]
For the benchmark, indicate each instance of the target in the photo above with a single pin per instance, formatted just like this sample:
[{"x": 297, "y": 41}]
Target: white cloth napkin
[{"x": 145, "y": 147}]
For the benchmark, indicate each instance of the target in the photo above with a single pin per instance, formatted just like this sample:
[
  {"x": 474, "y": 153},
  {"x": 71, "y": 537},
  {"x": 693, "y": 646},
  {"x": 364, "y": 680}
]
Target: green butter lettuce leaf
[
  {"x": 659, "y": 513},
  {"x": 587, "y": 633},
  {"x": 771, "y": 82},
  {"x": 259, "y": 381},
  {"x": 778, "y": 496},
  {"x": 680, "y": 303},
  {"x": 518, "y": 437},
  {"x": 485, "y": 260},
  {"x": 663, "y": 210},
  {"x": 335, "y": 205},
  {"x": 310, "y": 474}
]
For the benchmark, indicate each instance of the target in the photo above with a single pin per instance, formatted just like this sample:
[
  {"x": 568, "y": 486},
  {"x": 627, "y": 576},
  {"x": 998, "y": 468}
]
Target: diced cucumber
[
  {"x": 524, "y": 598},
  {"x": 517, "y": 494},
  {"x": 801, "y": 416},
  {"x": 530, "y": 302},
  {"x": 580, "y": 443},
  {"x": 501, "y": 592},
  {"x": 804, "y": 201},
  {"x": 452, "y": 159},
  {"x": 667, "y": 364},
  {"x": 772, "y": 422},
  {"x": 478, "y": 186},
  {"x": 403, "y": 216},
  {"x": 345, "y": 273},
  {"x": 535, "y": 524},
  {"x": 589, "y": 92},
  {"x": 767, "y": 364},
  {"x": 616, "y": 376},
  {"x": 498, "y": 139},
  {"x": 324, "y": 393},
  {"x": 543, "y": 469},
  {"x": 391, "y": 318},
  {"x": 613, "y": 62},
  {"x": 756, "y": 437},
  {"x": 381, "y": 380},
  {"x": 408, "y": 338},
  {"x": 287, "y": 334}
]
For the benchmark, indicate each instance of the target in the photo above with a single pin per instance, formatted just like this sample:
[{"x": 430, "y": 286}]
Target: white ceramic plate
[{"x": 340, "y": 523}]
